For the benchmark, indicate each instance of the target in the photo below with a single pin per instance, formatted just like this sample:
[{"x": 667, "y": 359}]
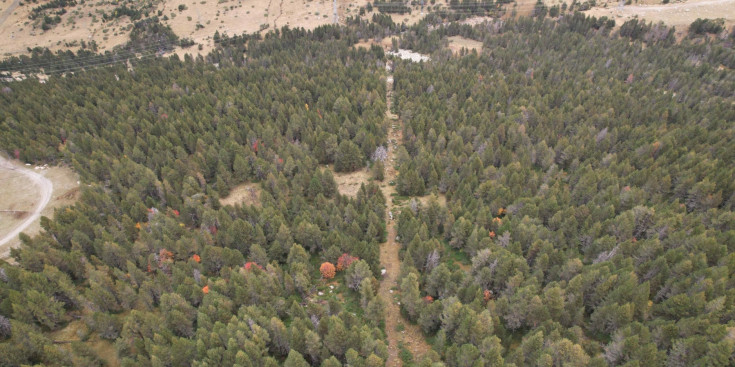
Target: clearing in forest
[
  {"x": 26, "y": 194},
  {"x": 385, "y": 43},
  {"x": 76, "y": 331},
  {"x": 244, "y": 194},
  {"x": 457, "y": 43},
  {"x": 348, "y": 184},
  {"x": 426, "y": 199}
]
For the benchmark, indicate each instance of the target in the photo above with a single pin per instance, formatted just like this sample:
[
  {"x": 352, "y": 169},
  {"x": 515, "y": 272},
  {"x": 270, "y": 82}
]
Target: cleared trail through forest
[
  {"x": 411, "y": 336},
  {"x": 45, "y": 188}
]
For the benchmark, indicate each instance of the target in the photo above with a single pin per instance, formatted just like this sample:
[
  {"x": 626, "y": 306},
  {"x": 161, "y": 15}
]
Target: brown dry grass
[
  {"x": 677, "y": 14},
  {"x": 74, "y": 330},
  {"x": 77, "y": 25},
  {"x": 244, "y": 194},
  {"x": 15, "y": 194},
  {"x": 457, "y": 43},
  {"x": 348, "y": 184},
  {"x": 385, "y": 43},
  {"x": 439, "y": 198},
  {"x": 83, "y": 22}
]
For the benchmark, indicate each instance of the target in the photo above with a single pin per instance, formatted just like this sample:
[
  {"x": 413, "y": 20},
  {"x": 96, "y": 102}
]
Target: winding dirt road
[
  {"x": 411, "y": 336},
  {"x": 44, "y": 187}
]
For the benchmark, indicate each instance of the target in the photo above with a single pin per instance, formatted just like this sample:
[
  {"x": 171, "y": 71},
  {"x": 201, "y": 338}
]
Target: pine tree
[
  {"x": 348, "y": 157},
  {"x": 295, "y": 359},
  {"x": 410, "y": 296}
]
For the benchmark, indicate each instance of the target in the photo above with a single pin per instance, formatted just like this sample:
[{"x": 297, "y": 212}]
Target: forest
[
  {"x": 587, "y": 172},
  {"x": 150, "y": 260},
  {"x": 588, "y": 176}
]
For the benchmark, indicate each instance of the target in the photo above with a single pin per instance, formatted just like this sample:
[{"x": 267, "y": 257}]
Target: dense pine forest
[{"x": 588, "y": 174}]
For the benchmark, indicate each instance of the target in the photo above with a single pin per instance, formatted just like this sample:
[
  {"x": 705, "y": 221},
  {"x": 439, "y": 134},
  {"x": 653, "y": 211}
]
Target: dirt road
[
  {"x": 411, "y": 336},
  {"x": 6, "y": 13},
  {"x": 41, "y": 184}
]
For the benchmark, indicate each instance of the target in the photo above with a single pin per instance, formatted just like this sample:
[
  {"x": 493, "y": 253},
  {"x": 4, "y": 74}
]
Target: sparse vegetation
[{"x": 703, "y": 26}]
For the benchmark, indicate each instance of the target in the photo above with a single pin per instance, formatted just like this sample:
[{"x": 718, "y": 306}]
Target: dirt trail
[
  {"x": 8, "y": 11},
  {"x": 45, "y": 188},
  {"x": 280, "y": 13},
  {"x": 411, "y": 336}
]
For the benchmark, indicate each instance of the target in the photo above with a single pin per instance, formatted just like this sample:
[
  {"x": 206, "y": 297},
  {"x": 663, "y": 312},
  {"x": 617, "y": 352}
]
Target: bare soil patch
[
  {"x": 244, "y": 194},
  {"x": 18, "y": 193},
  {"x": 457, "y": 43}
]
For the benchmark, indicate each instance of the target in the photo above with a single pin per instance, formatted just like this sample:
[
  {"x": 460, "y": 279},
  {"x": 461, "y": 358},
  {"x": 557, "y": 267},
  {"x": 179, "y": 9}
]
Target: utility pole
[{"x": 336, "y": 18}]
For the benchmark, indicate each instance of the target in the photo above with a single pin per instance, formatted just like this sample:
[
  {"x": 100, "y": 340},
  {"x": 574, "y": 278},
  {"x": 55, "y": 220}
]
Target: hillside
[{"x": 106, "y": 24}]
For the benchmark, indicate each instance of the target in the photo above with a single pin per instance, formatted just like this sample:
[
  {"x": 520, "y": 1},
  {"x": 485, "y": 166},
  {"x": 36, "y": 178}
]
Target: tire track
[
  {"x": 4, "y": 16},
  {"x": 45, "y": 187}
]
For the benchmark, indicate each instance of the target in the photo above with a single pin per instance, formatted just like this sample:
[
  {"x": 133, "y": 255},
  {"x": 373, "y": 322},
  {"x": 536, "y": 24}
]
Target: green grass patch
[
  {"x": 405, "y": 355},
  {"x": 452, "y": 253}
]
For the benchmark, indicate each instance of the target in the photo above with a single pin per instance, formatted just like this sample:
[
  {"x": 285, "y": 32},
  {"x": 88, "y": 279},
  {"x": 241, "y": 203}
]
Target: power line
[
  {"x": 73, "y": 64},
  {"x": 82, "y": 59},
  {"x": 85, "y": 59},
  {"x": 73, "y": 67},
  {"x": 145, "y": 48}
]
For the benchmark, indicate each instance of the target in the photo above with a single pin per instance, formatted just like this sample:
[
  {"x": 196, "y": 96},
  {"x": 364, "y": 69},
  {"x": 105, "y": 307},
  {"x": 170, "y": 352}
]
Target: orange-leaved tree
[
  {"x": 345, "y": 260},
  {"x": 328, "y": 271}
]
